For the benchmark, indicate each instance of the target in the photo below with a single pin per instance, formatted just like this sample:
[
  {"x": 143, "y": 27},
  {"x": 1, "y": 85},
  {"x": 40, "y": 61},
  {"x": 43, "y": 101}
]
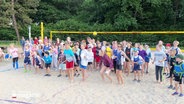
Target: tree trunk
[{"x": 14, "y": 21}]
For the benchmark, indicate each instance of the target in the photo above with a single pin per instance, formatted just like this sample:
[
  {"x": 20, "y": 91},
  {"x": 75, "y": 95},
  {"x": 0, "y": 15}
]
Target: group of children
[{"x": 72, "y": 57}]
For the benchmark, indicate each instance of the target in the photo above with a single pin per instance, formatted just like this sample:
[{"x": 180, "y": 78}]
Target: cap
[
  {"x": 180, "y": 56},
  {"x": 168, "y": 45}
]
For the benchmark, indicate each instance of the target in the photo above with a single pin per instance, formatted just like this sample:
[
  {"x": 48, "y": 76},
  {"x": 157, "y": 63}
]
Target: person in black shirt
[{"x": 172, "y": 61}]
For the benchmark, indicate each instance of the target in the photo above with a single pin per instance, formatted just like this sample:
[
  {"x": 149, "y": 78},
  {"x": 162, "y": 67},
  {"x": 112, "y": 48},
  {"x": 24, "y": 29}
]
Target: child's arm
[{"x": 123, "y": 53}]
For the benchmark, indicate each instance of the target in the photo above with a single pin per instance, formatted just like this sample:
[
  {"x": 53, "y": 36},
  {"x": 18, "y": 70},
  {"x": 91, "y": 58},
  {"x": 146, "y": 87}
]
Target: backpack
[{"x": 179, "y": 70}]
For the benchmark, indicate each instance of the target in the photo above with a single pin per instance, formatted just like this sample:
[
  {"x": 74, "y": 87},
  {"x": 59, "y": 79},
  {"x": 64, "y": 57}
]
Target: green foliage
[{"x": 98, "y": 15}]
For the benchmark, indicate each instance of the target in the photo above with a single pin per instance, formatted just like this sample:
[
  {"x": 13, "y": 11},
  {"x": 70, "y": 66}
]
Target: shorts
[
  {"x": 77, "y": 63},
  {"x": 178, "y": 79},
  {"x": 147, "y": 59},
  {"x": 171, "y": 71},
  {"x": 97, "y": 59},
  {"x": 119, "y": 67},
  {"x": 27, "y": 61},
  {"x": 89, "y": 63},
  {"x": 47, "y": 65},
  {"x": 69, "y": 65},
  {"x": 37, "y": 64},
  {"x": 127, "y": 60},
  {"x": 62, "y": 66},
  {"x": 83, "y": 67},
  {"x": 166, "y": 64},
  {"x": 137, "y": 67},
  {"x": 15, "y": 59}
]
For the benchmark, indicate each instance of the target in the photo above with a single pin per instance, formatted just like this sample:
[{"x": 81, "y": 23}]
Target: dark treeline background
[{"x": 100, "y": 15}]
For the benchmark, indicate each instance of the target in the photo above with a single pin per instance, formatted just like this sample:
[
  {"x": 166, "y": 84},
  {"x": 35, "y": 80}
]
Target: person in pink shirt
[
  {"x": 14, "y": 53},
  {"x": 107, "y": 65},
  {"x": 45, "y": 40},
  {"x": 54, "y": 51}
]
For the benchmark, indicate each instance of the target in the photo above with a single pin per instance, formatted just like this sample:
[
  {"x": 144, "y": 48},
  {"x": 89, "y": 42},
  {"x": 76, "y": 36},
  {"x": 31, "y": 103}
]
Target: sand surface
[{"x": 37, "y": 89}]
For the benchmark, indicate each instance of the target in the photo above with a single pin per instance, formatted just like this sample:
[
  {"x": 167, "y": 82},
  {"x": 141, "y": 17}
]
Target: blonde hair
[{"x": 176, "y": 42}]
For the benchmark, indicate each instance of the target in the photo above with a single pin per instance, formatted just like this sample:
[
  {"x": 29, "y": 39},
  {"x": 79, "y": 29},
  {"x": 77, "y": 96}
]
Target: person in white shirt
[
  {"x": 90, "y": 57},
  {"x": 83, "y": 61}
]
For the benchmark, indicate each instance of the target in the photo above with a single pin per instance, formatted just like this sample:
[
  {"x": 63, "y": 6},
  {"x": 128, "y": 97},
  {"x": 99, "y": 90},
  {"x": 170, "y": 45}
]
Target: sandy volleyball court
[{"x": 29, "y": 88}]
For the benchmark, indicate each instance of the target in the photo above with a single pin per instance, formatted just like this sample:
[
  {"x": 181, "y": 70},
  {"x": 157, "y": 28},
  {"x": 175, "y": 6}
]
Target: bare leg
[
  {"x": 117, "y": 75},
  {"x": 121, "y": 77},
  {"x": 108, "y": 75},
  {"x": 102, "y": 72}
]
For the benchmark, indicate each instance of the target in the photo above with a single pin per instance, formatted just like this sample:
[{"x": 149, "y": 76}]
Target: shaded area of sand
[{"x": 38, "y": 89}]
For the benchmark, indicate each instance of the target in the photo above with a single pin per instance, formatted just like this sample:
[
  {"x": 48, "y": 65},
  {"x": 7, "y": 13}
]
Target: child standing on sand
[
  {"x": 14, "y": 54},
  {"x": 147, "y": 58},
  {"x": 54, "y": 52},
  {"x": 62, "y": 62},
  {"x": 166, "y": 62},
  {"x": 172, "y": 61},
  {"x": 178, "y": 74},
  {"x": 37, "y": 62},
  {"x": 119, "y": 65},
  {"x": 70, "y": 60},
  {"x": 159, "y": 58},
  {"x": 143, "y": 54},
  {"x": 27, "y": 58},
  {"x": 137, "y": 60},
  {"x": 90, "y": 57},
  {"x": 48, "y": 61},
  {"x": 128, "y": 52},
  {"x": 107, "y": 65},
  {"x": 76, "y": 51},
  {"x": 83, "y": 61}
]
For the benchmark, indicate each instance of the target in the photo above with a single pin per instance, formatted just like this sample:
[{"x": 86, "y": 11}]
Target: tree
[{"x": 19, "y": 11}]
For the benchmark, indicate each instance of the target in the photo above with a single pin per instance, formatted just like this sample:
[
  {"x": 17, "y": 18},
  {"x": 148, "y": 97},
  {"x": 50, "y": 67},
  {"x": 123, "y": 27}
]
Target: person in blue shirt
[
  {"x": 48, "y": 60},
  {"x": 46, "y": 47},
  {"x": 178, "y": 74},
  {"x": 27, "y": 60}
]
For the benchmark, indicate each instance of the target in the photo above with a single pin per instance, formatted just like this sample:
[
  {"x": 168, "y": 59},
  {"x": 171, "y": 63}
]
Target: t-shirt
[
  {"x": 142, "y": 53},
  {"x": 69, "y": 55},
  {"x": 84, "y": 57},
  {"x": 27, "y": 53},
  {"x": 14, "y": 52},
  {"x": 109, "y": 52},
  {"x": 159, "y": 56},
  {"x": 90, "y": 56}
]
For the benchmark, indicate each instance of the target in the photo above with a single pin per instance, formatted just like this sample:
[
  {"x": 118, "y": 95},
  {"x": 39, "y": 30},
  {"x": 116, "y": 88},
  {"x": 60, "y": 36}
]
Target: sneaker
[
  {"x": 75, "y": 74},
  {"x": 132, "y": 71},
  {"x": 29, "y": 71},
  {"x": 146, "y": 72},
  {"x": 175, "y": 93},
  {"x": 135, "y": 80},
  {"x": 173, "y": 88},
  {"x": 46, "y": 75},
  {"x": 59, "y": 75},
  {"x": 25, "y": 71},
  {"x": 170, "y": 87},
  {"x": 138, "y": 81},
  {"x": 78, "y": 75},
  {"x": 180, "y": 95}
]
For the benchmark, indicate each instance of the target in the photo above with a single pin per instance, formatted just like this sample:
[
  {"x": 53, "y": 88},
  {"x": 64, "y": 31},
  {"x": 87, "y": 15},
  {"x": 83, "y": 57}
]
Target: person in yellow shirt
[{"x": 108, "y": 51}]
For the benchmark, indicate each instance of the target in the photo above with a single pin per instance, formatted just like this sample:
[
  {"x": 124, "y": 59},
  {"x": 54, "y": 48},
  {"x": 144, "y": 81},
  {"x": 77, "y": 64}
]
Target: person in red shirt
[{"x": 36, "y": 41}]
